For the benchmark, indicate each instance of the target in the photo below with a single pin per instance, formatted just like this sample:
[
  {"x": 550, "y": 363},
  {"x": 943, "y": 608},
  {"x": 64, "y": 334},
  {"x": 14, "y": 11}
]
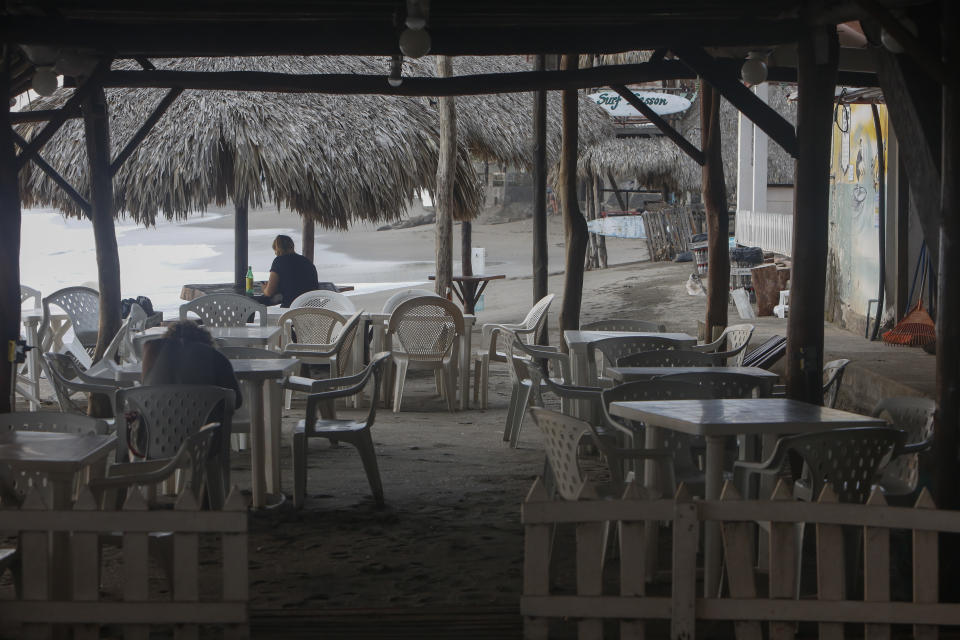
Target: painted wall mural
[{"x": 853, "y": 258}]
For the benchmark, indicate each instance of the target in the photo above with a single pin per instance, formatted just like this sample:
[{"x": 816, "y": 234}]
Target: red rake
[{"x": 915, "y": 330}]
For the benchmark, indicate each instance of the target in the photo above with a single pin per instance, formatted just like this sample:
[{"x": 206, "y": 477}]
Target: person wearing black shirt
[{"x": 291, "y": 274}]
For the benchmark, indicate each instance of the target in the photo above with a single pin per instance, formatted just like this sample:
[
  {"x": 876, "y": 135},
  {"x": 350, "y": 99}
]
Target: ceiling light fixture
[
  {"x": 417, "y": 11},
  {"x": 396, "y": 71},
  {"x": 45, "y": 81},
  {"x": 754, "y": 69}
]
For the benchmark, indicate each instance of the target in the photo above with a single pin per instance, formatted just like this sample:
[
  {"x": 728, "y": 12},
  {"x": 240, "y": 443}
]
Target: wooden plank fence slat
[
  {"x": 85, "y": 554},
  {"x": 738, "y": 559},
  {"x": 591, "y": 540},
  {"x": 145, "y": 522},
  {"x": 186, "y": 566},
  {"x": 784, "y": 540},
  {"x": 926, "y": 572},
  {"x": 136, "y": 565},
  {"x": 830, "y": 565},
  {"x": 35, "y": 564},
  {"x": 633, "y": 571},
  {"x": 686, "y": 539},
  {"x": 236, "y": 580},
  {"x": 876, "y": 568},
  {"x": 536, "y": 564}
]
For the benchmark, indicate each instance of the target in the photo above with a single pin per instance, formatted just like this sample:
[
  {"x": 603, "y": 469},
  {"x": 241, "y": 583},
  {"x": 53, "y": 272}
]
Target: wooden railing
[
  {"x": 61, "y": 568},
  {"x": 769, "y": 231},
  {"x": 637, "y": 516}
]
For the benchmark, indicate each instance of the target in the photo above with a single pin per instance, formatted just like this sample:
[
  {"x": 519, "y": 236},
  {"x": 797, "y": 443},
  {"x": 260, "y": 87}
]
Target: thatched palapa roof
[
  {"x": 657, "y": 162},
  {"x": 334, "y": 158},
  {"x": 499, "y": 127}
]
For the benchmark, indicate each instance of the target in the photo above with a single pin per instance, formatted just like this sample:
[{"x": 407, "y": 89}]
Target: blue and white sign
[{"x": 662, "y": 103}]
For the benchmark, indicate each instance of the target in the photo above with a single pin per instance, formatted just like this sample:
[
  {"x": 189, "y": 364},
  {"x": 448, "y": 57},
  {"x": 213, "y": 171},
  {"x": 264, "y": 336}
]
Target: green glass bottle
[{"x": 249, "y": 280}]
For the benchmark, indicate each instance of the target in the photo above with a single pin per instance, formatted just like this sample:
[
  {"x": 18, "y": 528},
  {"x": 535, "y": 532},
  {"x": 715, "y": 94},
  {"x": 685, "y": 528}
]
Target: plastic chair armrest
[
  {"x": 127, "y": 474},
  {"x": 915, "y": 447}
]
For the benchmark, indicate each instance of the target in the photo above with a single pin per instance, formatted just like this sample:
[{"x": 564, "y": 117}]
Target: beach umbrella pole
[
  {"x": 241, "y": 226},
  {"x": 307, "y": 236}
]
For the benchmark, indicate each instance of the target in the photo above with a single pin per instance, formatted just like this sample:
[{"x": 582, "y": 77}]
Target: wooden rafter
[
  {"x": 929, "y": 61},
  {"x": 55, "y": 176},
  {"x": 759, "y": 112},
  {"x": 39, "y": 115},
  {"x": 64, "y": 114},
  {"x": 144, "y": 130},
  {"x": 685, "y": 145}
]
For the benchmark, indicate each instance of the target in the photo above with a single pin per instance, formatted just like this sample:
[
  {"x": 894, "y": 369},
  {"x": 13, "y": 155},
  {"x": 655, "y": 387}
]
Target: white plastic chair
[
  {"x": 168, "y": 415},
  {"x": 736, "y": 337},
  {"x": 323, "y": 299},
  {"x": 426, "y": 329},
  {"x": 130, "y": 349},
  {"x": 494, "y": 349},
  {"x": 54, "y": 421},
  {"x": 402, "y": 296},
  {"x": 356, "y": 432},
  {"x": 307, "y": 333},
  {"x": 82, "y": 307},
  {"x": 333, "y": 357},
  {"x": 224, "y": 310},
  {"x": 27, "y": 292},
  {"x": 67, "y": 378},
  {"x": 914, "y": 415}
]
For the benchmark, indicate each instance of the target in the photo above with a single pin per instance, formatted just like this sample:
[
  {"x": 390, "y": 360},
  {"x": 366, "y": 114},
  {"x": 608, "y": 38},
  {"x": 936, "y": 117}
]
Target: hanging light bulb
[
  {"x": 890, "y": 42},
  {"x": 396, "y": 69},
  {"x": 754, "y": 69},
  {"x": 415, "y": 43},
  {"x": 45, "y": 81},
  {"x": 417, "y": 13}
]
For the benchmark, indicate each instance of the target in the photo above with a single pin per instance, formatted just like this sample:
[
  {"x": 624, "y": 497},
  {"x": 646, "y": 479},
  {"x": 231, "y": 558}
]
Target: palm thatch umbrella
[
  {"x": 332, "y": 158},
  {"x": 499, "y": 127},
  {"x": 658, "y": 162}
]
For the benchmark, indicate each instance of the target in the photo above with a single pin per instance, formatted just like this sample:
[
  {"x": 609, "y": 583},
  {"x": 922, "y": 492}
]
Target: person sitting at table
[
  {"x": 291, "y": 274},
  {"x": 186, "y": 355}
]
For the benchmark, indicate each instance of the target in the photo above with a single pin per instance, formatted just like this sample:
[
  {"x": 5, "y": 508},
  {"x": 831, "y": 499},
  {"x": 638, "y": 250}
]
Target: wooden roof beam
[
  {"x": 477, "y": 84},
  {"x": 39, "y": 115},
  {"x": 928, "y": 59},
  {"x": 377, "y": 36},
  {"x": 638, "y": 104},
  {"x": 55, "y": 176},
  {"x": 729, "y": 85}
]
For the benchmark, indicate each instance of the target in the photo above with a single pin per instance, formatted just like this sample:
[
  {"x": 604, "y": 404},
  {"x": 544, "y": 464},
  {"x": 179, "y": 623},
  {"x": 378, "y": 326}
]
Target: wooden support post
[
  {"x": 466, "y": 248},
  {"x": 241, "y": 225},
  {"x": 540, "y": 196},
  {"x": 9, "y": 243},
  {"x": 718, "y": 218},
  {"x": 818, "y": 58},
  {"x": 446, "y": 173},
  {"x": 596, "y": 183},
  {"x": 97, "y": 130},
  {"x": 307, "y": 236},
  {"x": 946, "y": 436},
  {"x": 574, "y": 226}
]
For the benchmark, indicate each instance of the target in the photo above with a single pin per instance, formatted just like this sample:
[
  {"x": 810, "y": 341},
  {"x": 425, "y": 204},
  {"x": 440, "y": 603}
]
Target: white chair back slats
[
  {"x": 224, "y": 310},
  {"x": 322, "y": 299}
]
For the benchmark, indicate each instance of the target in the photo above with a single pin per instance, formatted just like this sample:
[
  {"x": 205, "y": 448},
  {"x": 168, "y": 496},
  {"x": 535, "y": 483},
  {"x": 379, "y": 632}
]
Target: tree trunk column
[
  {"x": 574, "y": 226},
  {"x": 946, "y": 435},
  {"x": 817, "y": 77},
  {"x": 9, "y": 245},
  {"x": 241, "y": 233},
  {"x": 540, "y": 195},
  {"x": 97, "y": 128},
  {"x": 446, "y": 173},
  {"x": 307, "y": 236},
  {"x": 718, "y": 219}
]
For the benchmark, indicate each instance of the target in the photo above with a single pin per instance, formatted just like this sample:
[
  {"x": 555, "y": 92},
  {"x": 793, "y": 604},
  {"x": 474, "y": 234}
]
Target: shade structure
[
  {"x": 499, "y": 127},
  {"x": 659, "y": 163},
  {"x": 334, "y": 158}
]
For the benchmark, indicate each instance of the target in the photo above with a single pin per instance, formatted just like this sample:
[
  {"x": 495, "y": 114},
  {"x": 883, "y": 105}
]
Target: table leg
[
  {"x": 33, "y": 365},
  {"x": 711, "y": 545},
  {"x": 466, "y": 344},
  {"x": 61, "y": 499},
  {"x": 580, "y": 374},
  {"x": 273, "y": 401},
  {"x": 257, "y": 480}
]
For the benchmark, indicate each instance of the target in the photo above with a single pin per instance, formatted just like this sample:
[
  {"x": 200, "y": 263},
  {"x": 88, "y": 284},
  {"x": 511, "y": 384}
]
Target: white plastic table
[
  {"x": 717, "y": 420},
  {"x": 767, "y": 379},
  {"x": 264, "y": 444},
  {"x": 248, "y": 336},
  {"x": 578, "y": 341},
  {"x": 60, "y": 456},
  {"x": 379, "y": 322}
]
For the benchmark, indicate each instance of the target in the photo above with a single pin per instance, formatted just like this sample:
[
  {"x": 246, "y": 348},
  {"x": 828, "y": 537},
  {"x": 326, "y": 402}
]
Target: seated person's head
[
  {"x": 189, "y": 331},
  {"x": 283, "y": 245}
]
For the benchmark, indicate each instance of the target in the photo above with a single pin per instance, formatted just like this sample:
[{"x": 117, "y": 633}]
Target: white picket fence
[
  {"x": 636, "y": 517},
  {"x": 769, "y": 231},
  {"x": 58, "y": 546}
]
